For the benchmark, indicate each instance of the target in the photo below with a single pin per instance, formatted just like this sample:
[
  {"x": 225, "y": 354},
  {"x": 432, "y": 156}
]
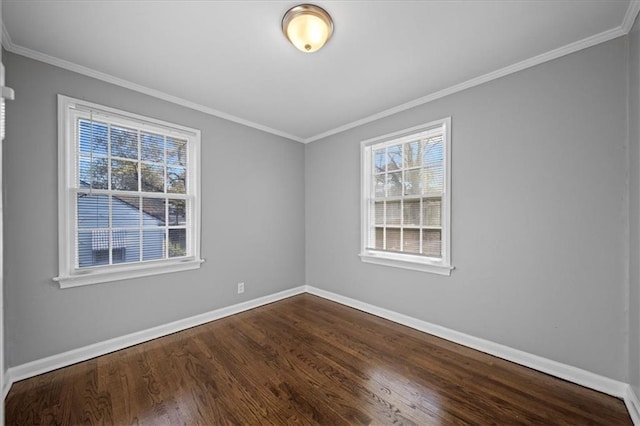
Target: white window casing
[
  {"x": 406, "y": 198},
  {"x": 128, "y": 195}
]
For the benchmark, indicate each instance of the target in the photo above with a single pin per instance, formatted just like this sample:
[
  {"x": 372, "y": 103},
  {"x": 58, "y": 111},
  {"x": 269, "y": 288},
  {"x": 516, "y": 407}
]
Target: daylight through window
[
  {"x": 406, "y": 199},
  {"x": 129, "y": 194}
]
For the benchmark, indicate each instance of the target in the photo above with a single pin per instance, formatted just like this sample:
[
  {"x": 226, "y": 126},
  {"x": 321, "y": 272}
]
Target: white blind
[{"x": 132, "y": 199}]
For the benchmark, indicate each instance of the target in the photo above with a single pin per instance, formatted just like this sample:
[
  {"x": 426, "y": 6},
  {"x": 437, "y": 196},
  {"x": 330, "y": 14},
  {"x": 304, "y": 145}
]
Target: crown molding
[
  {"x": 71, "y": 66},
  {"x": 630, "y": 16},
  {"x": 6, "y": 39},
  {"x": 623, "y": 29}
]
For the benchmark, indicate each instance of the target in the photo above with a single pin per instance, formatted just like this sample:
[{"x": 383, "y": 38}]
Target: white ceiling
[{"x": 230, "y": 58}]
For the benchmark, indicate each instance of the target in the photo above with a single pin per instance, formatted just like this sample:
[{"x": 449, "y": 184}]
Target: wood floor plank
[
  {"x": 316, "y": 358},
  {"x": 304, "y": 360},
  {"x": 388, "y": 376}
]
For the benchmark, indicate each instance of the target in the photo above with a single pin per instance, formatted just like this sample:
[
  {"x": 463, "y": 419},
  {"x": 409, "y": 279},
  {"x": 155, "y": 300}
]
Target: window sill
[
  {"x": 124, "y": 272},
  {"x": 414, "y": 263}
]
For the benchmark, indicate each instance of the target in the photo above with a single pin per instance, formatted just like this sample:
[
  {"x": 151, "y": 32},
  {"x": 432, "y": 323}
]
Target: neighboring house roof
[{"x": 154, "y": 207}]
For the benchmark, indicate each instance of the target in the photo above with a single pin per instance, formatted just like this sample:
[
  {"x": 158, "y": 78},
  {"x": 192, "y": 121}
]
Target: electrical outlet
[{"x": 240, "y": 288}]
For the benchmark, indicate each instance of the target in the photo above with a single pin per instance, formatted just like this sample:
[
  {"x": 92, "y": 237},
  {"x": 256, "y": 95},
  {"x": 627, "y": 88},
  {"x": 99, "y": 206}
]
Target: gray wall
[
  {"x": 634, "y": 207},
  {"x": 539, "y": 213},
  {"x": 539, "y": 216},
  {"x": 252, "y": 221}
]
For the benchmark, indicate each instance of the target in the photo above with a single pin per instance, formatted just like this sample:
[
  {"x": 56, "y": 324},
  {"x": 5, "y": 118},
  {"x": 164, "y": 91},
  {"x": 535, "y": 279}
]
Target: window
[
  {"x": 7, "y": 94},
  {"x": 129, "y": 195},
  {"x": 406, "y": 199}
]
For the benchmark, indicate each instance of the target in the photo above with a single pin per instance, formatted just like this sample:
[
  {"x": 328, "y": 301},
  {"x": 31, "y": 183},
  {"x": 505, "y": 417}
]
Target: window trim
[
  {"x": 403, "y": 260},
  {"x": 69, "y": 276}
]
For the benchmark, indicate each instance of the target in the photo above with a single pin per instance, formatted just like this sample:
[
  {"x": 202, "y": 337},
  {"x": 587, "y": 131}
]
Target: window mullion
[
  {"x": 402, "y": 189},
  {"x": 420, "y": 236},
  {"x": 164, "y": 153},
  {"x": 124, "y": 193},
  {"x": 110, "y": 225},
  {"x": 139, "y": 163},
  {"x": 166, "y": 227},
  {"x": 109, "y": 197},
  {"x": 140, "y": 229},
  {"x": 371, "y": 237},
  {"x": 109, "y": 157},
  {"x": 386, "y": 194},
  {"x": 140, "y": 201},
  {"x": 165, "y": 243}
]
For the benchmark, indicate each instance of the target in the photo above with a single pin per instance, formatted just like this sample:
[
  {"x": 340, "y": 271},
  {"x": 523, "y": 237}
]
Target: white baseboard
[
  {"x": 545, "y": 365},
  {"x": 64, "y": 359},
  {"x": 6, "y": 385},
  {"x": 633, "y": 405}
]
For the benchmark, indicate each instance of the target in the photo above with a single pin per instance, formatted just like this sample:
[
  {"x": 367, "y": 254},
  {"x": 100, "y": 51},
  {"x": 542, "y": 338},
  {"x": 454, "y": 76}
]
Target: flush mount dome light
[{"x": 307, "y": 26}]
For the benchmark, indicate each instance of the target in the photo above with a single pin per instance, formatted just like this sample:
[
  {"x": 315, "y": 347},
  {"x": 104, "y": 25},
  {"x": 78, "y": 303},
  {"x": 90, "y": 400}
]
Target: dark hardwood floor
[{"x": 304, "y": 360}]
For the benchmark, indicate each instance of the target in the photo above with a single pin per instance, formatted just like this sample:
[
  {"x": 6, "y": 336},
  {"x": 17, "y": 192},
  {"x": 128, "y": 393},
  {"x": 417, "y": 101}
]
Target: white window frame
[
  {"x": 70, "y": 275},
  {"x": 441, "y": 266}
]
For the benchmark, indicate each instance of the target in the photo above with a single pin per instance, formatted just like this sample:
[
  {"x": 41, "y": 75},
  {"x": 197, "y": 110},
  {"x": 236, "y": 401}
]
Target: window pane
[
  {"x": 411, "y": 241},
  {"x": 412, "y": 182},
  {"x": 152, "y": 178},
  {"x": 176, "y": 180},
  {"x": 125, "y": 212},
  {"x": 393, "y": 212},
  {"x": 153, "y": 244},
  {"x": 412, "y": 154},
  {"x": 394, "y": 156},
  {"x": 124, "y": 175},
  {"x": 380, "y": 160},
  {"x": 176, "y": 152},
  {"x": 93, "y": 173},
  {"x": 92, "y": 138},
  {"x": 380, "y": 187},
  {"x": 118, "y": 255},
  {"x": 124, "y": 142},
  {"x": 394, "y": 184},
  {"x": 85, "y": 248},
  {"x": 434, "y": 179},
  {"x": 92, "y": 211},
  {"x": 126, "y": 246},
  {"x": 118, "y": 239},
  {"x": 411, "y": 212},
  {"x": 379, "y": 213},
  {"x": 177, "y": 212},
  {"x": 380, "y": 238},
  {"x": 393, "y": 239},
  {"x": 152, "y": 147},
  {"x": 177, "y": 242},
  {"x": 433, "y": 152},
  {"x": 100, "y": 257},
  {"x": 431, "y": 242},
  {"x": 432, "y": 211},
  {"x": 154, "y": 211}
]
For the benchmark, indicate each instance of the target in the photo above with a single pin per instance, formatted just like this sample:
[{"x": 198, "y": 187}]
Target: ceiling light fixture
[{"x": 307, "y": 26}]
